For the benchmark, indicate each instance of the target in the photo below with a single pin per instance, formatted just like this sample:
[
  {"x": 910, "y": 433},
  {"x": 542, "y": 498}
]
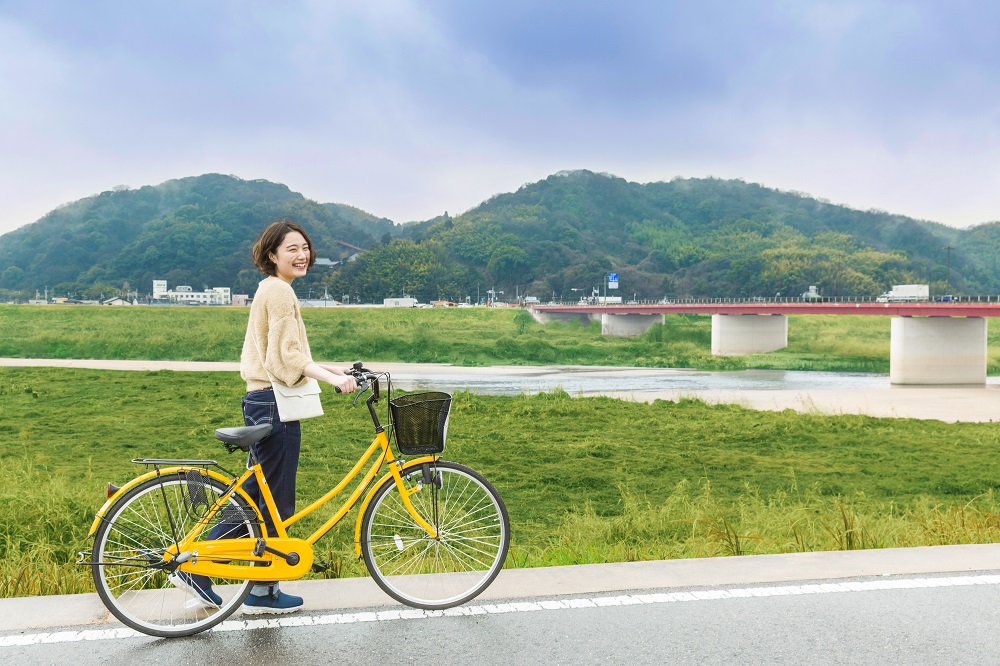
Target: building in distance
[{"x": 186, "y": 295}]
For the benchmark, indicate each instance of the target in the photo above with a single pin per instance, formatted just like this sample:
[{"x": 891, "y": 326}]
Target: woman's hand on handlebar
[{"x": 344, "y": 383}]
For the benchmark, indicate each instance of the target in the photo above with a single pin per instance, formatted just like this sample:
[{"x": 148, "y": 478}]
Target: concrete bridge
[{"x": 930, "y": 343}]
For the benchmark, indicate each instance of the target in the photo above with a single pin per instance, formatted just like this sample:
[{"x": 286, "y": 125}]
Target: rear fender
[{"x": 152, "y": 475}]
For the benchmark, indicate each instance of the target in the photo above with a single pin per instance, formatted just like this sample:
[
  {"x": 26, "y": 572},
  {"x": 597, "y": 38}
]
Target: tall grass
[
  {"x": 42, "y": 517},
  {"x": 695, "y": 522},
  {"x": 584, "y": 479}
]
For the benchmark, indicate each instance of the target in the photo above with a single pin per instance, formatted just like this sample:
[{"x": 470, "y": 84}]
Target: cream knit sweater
[{"x": 276, "y": 323}]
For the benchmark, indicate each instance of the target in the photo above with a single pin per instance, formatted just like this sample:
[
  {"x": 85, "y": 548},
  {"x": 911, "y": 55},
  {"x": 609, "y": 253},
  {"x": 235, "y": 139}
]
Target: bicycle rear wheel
[
  {"x": 128, "y": 567},
  {"x": 434, "y": 573}
]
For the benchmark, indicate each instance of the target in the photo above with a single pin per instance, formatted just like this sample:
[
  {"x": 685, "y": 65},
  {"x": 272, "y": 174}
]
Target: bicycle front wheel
[
  {"x": 128, "y": 563},
  {"x": 434, "y": 573}
]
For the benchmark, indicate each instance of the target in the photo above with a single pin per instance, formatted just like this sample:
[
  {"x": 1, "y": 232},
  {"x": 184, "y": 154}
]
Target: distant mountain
[
  {"x": 195, "y": 231},
  {"x": 557, "y": 237},
  {"x": 704, "y": 237}
]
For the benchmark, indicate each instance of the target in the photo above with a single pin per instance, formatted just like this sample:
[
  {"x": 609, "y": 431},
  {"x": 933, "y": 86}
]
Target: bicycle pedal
[{"x": 321, "y": 567}]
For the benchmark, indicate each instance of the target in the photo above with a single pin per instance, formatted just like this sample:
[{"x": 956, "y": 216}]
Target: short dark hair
[{"x": 269, "y": 241}]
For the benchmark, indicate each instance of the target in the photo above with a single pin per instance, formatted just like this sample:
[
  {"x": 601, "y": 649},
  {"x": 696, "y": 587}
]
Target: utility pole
[{"x": 948, "y": 249}]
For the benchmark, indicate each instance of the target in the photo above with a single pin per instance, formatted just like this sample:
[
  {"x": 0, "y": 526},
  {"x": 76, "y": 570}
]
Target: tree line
[{"x": 557, "y": 238}]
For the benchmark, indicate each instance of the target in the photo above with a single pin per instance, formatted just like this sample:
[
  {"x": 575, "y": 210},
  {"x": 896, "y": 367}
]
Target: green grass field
[
  {"x": 585, "y": 479},
  {"x": 462, "y": 336}
]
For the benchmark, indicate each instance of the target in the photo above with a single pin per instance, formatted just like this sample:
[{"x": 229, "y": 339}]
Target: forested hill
[
  {"x": 700, "y": 237},
  {"x": 557, "y": 237},
  {"x": 191, "y": 231}
]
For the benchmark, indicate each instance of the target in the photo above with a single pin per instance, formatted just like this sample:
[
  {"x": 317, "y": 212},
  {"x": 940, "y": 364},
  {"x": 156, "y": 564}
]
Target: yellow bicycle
[{"x": 433, "y": 534}]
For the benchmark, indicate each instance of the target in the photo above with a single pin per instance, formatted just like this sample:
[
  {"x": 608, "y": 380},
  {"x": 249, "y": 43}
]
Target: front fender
[
  {"x": 416, "y": 462},
  {"x": 152, "y": 475}
]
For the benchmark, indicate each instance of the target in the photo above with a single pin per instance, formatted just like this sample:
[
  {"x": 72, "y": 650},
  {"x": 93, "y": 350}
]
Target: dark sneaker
[
  {"x": 199, "y": 586},
  {"x": 277, "y": 602}
]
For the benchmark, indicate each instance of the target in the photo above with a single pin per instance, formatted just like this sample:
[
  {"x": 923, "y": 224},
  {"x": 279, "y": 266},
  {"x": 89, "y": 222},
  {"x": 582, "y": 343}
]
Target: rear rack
[{"x": 172, "y": 461}]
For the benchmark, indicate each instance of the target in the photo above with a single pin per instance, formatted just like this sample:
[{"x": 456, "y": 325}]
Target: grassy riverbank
[
  {"x": 462, "y": 336},
  {"x": 585, "y": 479}
]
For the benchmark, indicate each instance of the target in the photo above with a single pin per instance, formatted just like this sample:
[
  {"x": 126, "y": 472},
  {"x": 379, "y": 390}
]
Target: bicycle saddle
[{"x": 245, "y": 437}]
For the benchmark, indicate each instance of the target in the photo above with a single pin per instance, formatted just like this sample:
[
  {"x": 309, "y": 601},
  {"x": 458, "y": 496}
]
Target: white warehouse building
[{"x": 184, "y": 294}]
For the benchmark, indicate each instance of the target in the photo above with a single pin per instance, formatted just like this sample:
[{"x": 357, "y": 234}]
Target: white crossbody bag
[{"x": 294, "y": 402}]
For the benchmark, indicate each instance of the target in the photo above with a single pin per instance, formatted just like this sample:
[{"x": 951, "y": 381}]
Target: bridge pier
[
  {"x": 739, "y": 334},
  {"x": 937, "y": 350},
  {"x": 628, "y": 325},
  {"x": 549, "y": 316}
]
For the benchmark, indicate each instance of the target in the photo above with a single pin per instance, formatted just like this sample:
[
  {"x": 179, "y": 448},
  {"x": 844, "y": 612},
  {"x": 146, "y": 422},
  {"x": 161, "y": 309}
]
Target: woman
[{"x": 275, "y": 345}]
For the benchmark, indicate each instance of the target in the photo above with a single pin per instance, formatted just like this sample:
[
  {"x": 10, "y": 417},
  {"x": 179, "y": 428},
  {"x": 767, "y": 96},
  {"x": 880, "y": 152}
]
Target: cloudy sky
[{"x": 411, "y": 108}]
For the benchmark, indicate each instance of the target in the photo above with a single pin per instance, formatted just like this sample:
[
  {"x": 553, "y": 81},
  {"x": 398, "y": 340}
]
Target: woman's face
[{"x": 291, "y": 259}]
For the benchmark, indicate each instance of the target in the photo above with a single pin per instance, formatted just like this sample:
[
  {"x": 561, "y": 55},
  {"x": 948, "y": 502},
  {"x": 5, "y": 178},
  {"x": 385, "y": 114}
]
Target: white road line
[{"x": 522, "y": 607}]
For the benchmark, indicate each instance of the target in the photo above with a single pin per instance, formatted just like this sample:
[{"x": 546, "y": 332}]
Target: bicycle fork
[{"x": 428, "y": 478}]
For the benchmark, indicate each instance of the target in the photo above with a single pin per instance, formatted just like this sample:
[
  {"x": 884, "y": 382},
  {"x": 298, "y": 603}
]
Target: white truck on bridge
[{"x": 905, "y": 293}]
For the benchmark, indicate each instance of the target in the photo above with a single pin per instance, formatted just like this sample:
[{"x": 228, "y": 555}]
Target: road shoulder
[{"x": 33, "y": 613}]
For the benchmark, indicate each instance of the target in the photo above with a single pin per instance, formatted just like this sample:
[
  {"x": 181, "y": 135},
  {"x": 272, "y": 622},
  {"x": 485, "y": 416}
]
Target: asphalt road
[
  {"x": 936, "y": 604},
  {"x": 882, "y": 620}
]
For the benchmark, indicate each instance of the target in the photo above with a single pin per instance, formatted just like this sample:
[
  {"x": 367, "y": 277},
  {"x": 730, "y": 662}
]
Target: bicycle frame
[
  {"x": 205, "y": 554},
  {"x": 280, "y": 568}
]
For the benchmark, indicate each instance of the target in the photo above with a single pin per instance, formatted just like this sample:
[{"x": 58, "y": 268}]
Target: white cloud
[{"x": 410, "y": 108}]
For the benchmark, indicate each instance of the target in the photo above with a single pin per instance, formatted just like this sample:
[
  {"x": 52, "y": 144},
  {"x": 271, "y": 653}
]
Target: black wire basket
[{"x": 420, "y": 422}]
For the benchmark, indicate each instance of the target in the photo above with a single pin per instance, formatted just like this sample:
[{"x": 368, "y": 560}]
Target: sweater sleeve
[
  {"x": 286, "y": 356},
  {"x": 287, "y": 353}
]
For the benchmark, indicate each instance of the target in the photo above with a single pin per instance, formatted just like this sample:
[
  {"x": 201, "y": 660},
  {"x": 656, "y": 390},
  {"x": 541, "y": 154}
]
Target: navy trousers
[{"x": 278, "y": 455}]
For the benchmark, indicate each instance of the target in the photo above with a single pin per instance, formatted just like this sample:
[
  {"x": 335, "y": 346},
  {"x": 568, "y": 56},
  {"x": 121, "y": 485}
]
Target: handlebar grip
[{"x": 337, "y": 389}]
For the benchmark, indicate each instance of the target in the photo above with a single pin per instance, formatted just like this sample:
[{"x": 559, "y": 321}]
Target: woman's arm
[
  {"x": 333, "y": 368},
  {"x": 331, "y": 375}
]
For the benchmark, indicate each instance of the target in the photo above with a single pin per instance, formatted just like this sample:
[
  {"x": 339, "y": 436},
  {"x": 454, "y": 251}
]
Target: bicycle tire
[
  {"x": 129, "y": 544},
  {"x": 428, "y": 573}
]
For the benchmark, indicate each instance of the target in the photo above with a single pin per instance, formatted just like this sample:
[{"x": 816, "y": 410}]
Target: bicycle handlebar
[
  {"x": 366, "y": 379},
  {"x": 362, "y": 375}
]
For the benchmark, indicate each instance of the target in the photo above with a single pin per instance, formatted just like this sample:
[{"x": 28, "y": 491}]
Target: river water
[
  {"x": 578, "y": 380},
  {"x": 826, "y": 392},
  {"x": 778, "y": 390}
]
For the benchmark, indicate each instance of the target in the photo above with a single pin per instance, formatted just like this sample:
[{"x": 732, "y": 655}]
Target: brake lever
[{"x": 362, "y": 387}]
